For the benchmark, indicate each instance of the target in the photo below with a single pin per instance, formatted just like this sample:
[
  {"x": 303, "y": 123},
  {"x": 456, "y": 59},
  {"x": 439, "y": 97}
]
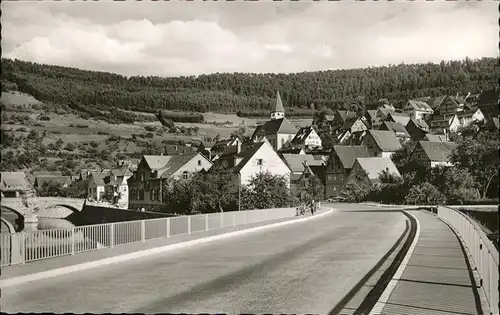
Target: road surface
[{"x": 300, "y": 268}]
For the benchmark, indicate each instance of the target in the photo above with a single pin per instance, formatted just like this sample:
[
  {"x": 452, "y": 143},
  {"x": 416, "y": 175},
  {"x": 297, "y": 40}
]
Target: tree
[
  {"x": 480, "y": 157},
  {"x": 357, "y": 188},
  {"x": 264, "y": 191},
  {"x": 425, "y": 193},
  {"x": 458, "y": 185}
]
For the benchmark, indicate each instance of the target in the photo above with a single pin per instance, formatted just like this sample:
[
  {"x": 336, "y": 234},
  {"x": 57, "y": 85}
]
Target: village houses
[
  {"x": 297, "y": 163},
  {"x": 339, "y": 166},
  {"x": 381, "y": 143},
  {"x": 432, "y": 153},
  {"x": 372, "y": 168},
  {"x": 278, "y": 130},
  {"x": 145, "y": 185}
]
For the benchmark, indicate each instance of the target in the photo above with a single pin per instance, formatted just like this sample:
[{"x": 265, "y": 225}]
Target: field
[{"x": 22, "y": 113}]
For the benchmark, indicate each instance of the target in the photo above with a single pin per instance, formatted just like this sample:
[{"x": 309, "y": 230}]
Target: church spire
[{"x": 279, "y": 110}]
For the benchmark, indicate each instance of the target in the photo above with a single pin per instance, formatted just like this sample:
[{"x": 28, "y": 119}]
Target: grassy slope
[{"x": 59, "y": 127}]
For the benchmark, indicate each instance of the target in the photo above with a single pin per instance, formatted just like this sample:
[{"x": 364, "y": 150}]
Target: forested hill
[{"x": 225, "y": 92}]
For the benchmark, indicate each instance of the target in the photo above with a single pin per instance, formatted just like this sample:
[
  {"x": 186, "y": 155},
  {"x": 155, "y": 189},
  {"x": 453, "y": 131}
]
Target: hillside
[{"x": 351, "y": 89}]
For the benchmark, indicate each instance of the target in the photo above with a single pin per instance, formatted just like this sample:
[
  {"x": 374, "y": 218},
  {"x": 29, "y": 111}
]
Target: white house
[
  {"x": 116, "y": 187},
  {"x": 467, "y": 117},
  {"x": 259, "y": 157},
  {"x": 95, "y": 186},
  {"x": 417, "y": 109},
  {"x": 278, "y": 130},
  {"x": 307, "y": 137},
  {"x": 445, "y": 125}
]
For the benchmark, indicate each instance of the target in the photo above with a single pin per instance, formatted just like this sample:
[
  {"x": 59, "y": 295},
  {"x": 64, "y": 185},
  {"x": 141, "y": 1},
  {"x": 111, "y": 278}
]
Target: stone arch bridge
[{"x": 48, "y": 207}]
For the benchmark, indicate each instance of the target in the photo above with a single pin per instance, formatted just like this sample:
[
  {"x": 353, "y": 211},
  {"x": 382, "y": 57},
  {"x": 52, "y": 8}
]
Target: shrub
[
  {"x": 426, "y": 194},
  {"x": 189, "y": 117},
  {"x": 43, "y": 117}
]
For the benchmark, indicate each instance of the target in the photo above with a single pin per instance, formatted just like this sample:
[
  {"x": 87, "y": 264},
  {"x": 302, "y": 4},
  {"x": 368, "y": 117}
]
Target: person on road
[{"x": 312, "y": 207}]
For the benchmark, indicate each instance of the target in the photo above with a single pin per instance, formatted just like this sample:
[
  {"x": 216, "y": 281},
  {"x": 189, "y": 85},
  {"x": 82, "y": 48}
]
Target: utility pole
[{"x": 239, "y": 192}]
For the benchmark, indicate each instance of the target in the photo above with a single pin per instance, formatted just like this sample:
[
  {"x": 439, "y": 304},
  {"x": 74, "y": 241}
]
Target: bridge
[
  {"x": 49, "y": 207},
  {"x": 358, "y": 259}
]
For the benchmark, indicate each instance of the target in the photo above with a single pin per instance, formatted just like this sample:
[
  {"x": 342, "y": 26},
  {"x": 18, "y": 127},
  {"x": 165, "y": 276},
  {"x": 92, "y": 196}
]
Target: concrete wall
[{"x": 96, "y": 215}]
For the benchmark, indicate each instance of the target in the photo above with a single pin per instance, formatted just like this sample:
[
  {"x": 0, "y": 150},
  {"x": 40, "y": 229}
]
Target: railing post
[
  {"x": 143, "y": 231},
  {"x": 189, "y": 224},
  {"x": 22, "y": 246},
  {"x": 168, "y": 227},
  {"x": 206, "y": 222},
  {"x": 112, "y": 235},
  {"x": 72, "y": 241}
]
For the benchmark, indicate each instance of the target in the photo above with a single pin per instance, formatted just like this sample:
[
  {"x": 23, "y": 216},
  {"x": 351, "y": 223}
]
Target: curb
[
  {"x": 125, "y": 257},
  {"x": 379, "y": 306}
]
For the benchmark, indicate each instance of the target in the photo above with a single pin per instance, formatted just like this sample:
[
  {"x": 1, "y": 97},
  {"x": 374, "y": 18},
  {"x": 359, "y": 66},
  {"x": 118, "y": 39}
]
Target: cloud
[{"x": 179, "y": 38}]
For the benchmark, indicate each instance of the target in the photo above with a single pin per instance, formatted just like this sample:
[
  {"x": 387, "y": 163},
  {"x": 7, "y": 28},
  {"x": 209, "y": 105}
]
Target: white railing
[
  {"x": 481, "y": 250},
  {"x": 23, "y": 247}
]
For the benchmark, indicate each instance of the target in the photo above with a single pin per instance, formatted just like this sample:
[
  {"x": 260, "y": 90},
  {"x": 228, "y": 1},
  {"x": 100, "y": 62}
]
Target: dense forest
[{"x": 247, "y": 92}]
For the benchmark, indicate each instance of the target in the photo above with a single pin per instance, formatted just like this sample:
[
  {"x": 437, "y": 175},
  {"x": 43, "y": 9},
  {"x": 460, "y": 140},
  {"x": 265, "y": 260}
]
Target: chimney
[{"x": 238, "y": 144}]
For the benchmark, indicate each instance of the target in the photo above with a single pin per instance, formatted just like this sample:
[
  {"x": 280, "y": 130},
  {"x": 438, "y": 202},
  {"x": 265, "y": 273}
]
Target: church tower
[{"x": 279, "y": 111}]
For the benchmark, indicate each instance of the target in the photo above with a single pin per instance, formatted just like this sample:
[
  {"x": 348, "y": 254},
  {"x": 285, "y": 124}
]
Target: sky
[{"x": 192, "y": 38}]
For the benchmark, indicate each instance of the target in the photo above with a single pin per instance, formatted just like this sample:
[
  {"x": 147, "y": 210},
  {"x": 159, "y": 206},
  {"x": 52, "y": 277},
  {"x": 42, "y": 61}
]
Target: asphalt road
[{"x": 300, "y": 268}]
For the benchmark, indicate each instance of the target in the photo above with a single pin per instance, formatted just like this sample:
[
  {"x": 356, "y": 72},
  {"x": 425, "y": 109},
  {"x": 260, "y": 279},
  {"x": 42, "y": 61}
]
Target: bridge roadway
[{"x": 300, "y": 268}]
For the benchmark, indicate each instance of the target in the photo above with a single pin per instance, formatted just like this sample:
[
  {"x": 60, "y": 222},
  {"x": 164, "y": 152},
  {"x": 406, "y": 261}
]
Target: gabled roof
[
  {"x": 14, "y": 181},
  {"x": 98, "y": 178},
  {"x": 349, "y": 122},
  {"x": 371, "y": 114},
  {"x": 156, "y": 162},
  {"x": 348, "y": 154},
  {"x": 438, "y": 151},
  {"x": 296, "y": 150},
  {"x": 345, "y": 114},
  {"x": 385, "y": 140},
  {"x": 374, "y": 166},
  {"x": 435, "y": 102},
  {"x": 279, "y": 104},
  {"x": 47, "y": 173},
  {"x": 53, "y": 180},
  {"x": 302, "y": 134},
  {"x": 275, "y": 126},
  {"x": 401, "y": 118},
  {"x": 397, "y": 128},
  {"x": 122, "y": 171},
  {"x": 384, "y": 111},
  {"x": 420, "y": 105},
  {"x": 435, "y": 138},
  {"x": 176, "y": 162},
  {"x": 295, "y": 161},
  {"x": 319, "y": 171},
  {"x": 419, "y": 124},
  {"x": 468, "y": 113},
  {"x": 248, "y": 153}
]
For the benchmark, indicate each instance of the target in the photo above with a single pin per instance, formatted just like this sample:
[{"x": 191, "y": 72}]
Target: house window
[
  {"x": 185, "y": 175},
  {"x": 199, "y": 162},
  {"x": 141, "y": 194},
  {"x": 259, "y": 162}
]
